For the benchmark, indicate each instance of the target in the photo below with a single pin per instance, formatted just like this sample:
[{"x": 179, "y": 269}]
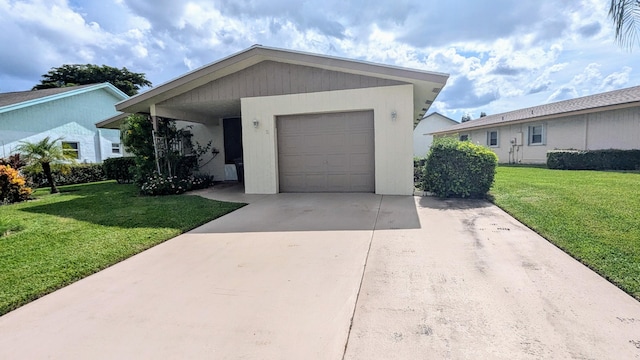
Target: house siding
[
  {"x": 84, "y": 109},
  {"x": 614, "y": 129},
  {"x": 273, "y": 78}
]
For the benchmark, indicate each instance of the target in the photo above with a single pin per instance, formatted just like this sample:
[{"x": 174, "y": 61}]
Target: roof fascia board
[
  {"x": 104, "y": 124},
  {"x": 256, "y": 54}
]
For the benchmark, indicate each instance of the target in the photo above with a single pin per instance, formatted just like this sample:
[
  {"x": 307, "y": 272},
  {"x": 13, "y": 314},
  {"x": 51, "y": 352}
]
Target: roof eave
[
  {"x": 257, "y": 53},
  {"x": 107, "y": 86}
]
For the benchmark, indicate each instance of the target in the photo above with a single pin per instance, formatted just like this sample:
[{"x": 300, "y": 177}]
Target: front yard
[
  {"x": 55, "y": 240},
  {"x": 592, "y": 215}
]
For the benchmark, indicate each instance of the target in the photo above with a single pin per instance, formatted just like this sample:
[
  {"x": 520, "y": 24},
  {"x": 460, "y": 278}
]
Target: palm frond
[{"x": 626, "y": 20}]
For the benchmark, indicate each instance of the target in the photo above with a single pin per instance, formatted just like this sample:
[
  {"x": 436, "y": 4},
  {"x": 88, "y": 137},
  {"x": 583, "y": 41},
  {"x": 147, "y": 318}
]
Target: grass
[
  {"x": 591, "y": 215},
  {"x": 54, "y": 240}
]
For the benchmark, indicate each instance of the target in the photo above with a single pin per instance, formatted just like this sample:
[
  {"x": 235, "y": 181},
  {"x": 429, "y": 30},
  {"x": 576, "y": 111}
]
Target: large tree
[
  {"x": 626, "y": 19},
  {"x": 71, "y": 75},
  {"x": 43, "y": 154}
]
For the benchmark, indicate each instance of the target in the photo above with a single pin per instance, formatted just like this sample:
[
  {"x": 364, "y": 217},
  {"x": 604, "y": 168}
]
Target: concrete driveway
[{"x": 337, "y": 276}]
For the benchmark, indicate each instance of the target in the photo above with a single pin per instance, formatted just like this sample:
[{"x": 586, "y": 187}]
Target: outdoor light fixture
[
  {"x": 255, "y": 123},
  {"x": 394, "y": 115}
]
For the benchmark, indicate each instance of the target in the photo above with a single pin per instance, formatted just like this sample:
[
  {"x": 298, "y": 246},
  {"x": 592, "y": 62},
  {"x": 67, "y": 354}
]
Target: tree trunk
[{"x": 46, "y": 167}]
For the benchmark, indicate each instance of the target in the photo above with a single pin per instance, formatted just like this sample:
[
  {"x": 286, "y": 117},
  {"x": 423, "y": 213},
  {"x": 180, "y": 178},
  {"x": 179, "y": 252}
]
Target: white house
[
  {"x": 69, "y": 113},
  {"x": 609, "y": 120},
  {"x": 422, "y": 138},
  {"x": 300, "y": 122}
]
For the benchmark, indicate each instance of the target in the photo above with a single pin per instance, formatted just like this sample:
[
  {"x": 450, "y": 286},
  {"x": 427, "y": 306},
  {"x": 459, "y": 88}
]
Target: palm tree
[
  {"x": 43, "y": 153},
  {"x": 626, "y": 19}
]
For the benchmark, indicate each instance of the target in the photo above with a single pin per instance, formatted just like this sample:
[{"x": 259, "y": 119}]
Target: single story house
[
  {"x": 69, "y": 113},
  {"x": 609, "y": 120},
  {"x": 422, "y": 138},
  {"x": 300, "y": 122}
]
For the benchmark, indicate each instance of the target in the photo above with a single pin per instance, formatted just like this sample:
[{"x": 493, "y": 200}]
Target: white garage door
[{"x": 326, "y": 152}]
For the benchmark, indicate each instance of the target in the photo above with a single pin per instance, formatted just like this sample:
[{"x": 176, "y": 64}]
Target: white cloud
[{"x": 500, "y": 57}]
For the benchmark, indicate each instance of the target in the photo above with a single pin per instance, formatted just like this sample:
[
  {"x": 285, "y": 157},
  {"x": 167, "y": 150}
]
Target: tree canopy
[
  {"x": 626, "y": 20},
  {"x": 72, "y": 75}
]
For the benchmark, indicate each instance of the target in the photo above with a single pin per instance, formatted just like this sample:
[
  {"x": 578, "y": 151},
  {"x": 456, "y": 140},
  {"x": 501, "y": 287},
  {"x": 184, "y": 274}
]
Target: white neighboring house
[
  {"x": 69, "y": 113},
  {"x": 422, "y": 138},
  {"x": 609, "y": 120}
]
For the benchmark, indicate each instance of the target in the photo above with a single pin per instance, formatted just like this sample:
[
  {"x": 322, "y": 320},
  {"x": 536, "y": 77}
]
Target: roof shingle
[{"x": 12, "y": 98}]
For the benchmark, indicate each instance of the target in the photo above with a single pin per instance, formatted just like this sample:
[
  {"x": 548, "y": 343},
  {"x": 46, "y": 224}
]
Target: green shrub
[
  {"x": 120, "y": 169},
  {"x": 418, "y": 171},
  {"x": 459, "y": 169},
  {"x": 66, "y": 174},
  {"x": 610, "y": 159},
  {"x": 13, "y": 187},
  {"x": 173, "y": 185}
]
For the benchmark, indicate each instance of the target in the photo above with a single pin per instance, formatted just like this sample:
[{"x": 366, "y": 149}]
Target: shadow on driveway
[{"x": 319, "y": 212}]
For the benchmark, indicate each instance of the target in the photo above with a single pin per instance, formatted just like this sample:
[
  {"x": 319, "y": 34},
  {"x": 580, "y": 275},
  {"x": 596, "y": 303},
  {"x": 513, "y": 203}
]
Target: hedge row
[
  {"x": 593, "y": 159},
  {"x": 67, "y": 175},
  {"x": 120, "y": 169}
]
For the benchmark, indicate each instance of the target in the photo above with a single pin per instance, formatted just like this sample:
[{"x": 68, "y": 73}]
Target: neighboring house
[
  {"x": 301, "y": 122},
  {"x": 608, "y": 120},
  {"x": 422, "y": 137},
  {"x": 69, "y": 113}
]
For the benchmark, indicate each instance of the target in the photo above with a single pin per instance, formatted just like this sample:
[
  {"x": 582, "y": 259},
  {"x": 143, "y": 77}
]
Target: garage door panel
[
  {"x": 326, "y": 152},
  {"x": 313, "y": 164}
]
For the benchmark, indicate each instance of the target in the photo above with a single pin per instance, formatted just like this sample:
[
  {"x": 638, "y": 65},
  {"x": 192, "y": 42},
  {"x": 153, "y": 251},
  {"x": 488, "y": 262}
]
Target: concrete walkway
[{"x": 333, "y": 276}]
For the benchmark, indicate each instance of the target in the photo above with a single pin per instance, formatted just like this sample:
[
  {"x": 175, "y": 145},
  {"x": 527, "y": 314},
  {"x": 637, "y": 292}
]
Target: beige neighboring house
[
  {"x": 422, "y": 138},
  {"x": 609, "y": 120},
  {"x": 299, "y": 122}
]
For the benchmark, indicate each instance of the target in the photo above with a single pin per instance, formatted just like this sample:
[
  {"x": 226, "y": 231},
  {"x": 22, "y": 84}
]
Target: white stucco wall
[
  {"x": 92, "y": 147},
  {"x": 393, "y": 138},
  {"x": 202, "y": 134}
]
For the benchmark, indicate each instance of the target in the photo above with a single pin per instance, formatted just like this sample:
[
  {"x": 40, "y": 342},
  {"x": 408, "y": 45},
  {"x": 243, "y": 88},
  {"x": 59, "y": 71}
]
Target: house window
[
  {"x": 464, "y": 137},
  {"x": 492, "y": 138},
  {"x": 71, "y": 149},
  {"x": 536, "y": 135},
  {"x": 115, "y": 148}
]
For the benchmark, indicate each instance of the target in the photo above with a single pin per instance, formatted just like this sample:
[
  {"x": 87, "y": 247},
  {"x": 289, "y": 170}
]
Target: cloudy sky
[{"x": 501, "y": 54}]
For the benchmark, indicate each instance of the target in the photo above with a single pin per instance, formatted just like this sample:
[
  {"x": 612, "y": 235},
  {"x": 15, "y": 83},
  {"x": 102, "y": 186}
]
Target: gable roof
[
  {"x": 16, "y": 100},
  {"x": 616, "y": 99},
  {"x": 442, "y": 116},
  {"x": 427, "y": 85}
]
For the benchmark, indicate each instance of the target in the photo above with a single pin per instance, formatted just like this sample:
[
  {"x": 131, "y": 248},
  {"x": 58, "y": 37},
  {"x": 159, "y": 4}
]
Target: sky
[{"x": 501, "y": 55}]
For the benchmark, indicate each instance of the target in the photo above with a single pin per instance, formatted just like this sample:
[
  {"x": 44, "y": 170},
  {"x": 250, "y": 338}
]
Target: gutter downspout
[{"x": 98, "y": 146}]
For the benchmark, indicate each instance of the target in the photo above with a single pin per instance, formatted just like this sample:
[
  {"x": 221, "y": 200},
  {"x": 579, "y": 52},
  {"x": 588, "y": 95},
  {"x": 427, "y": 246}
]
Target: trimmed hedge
[
  {"x": 610, "y": 159},
  {"x": 459, "y": 169},
  {"x": 418, "y": 171},
  {"x": 67, "y": 175},
  {"x": 120, "y": 169}
]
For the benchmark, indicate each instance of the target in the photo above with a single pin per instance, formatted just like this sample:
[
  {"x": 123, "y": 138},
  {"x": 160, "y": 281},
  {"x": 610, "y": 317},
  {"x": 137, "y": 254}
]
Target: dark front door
[{"x": 232, "y": 129}]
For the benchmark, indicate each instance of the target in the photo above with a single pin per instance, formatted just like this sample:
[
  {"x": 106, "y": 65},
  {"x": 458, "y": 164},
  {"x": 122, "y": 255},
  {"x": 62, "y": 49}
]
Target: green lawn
[
  {"x": 55, "y": 240},
  {"x": 592, "y": 215}
]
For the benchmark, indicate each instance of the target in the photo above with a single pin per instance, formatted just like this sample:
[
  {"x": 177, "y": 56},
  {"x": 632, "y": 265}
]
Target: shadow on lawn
[{"x": 119, "y": 205}]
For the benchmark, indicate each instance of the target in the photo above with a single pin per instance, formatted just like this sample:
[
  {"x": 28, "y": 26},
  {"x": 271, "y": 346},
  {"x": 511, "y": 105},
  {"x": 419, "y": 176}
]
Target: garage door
[{"x": 326, "y": 152}]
